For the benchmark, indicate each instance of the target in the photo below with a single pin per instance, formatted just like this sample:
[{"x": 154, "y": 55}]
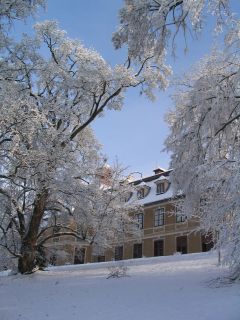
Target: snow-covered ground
[{"x": 164, "y": 288}]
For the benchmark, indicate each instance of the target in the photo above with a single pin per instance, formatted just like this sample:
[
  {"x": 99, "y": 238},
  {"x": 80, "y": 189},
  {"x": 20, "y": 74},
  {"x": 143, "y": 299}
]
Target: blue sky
[{"x": 135, "y": 135}]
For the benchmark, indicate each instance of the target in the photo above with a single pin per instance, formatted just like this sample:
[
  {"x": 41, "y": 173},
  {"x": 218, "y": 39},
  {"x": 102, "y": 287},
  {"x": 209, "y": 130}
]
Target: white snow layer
[
  {"x": 180, "y": 287},
  {"x": 152, "y": 195}
]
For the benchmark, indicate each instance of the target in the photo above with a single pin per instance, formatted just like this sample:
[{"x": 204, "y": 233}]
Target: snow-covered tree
[
  {"x": 94, "y": 211},
  {"x": 149, "y": 27},
  {"x": 48, "y": 190},
  {"x": 51, "y": 89},
  {"x": 48, "y": 101},
  {"x": 205, "y": 143},
  {"x": 18, "y": 9},
  {"x": 13, "y": 10}
]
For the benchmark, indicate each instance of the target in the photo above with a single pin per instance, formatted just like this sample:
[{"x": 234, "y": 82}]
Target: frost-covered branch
[
  {"x": 205, "y": 143},
  {"x": 150, "y": 27}
]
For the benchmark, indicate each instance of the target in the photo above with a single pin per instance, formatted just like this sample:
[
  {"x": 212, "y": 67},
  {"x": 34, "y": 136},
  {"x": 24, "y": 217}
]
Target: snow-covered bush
[{"x": 117, "y": 270}]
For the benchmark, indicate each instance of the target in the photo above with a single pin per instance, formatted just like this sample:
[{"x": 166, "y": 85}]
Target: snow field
[{"x": 165, "y": 288}]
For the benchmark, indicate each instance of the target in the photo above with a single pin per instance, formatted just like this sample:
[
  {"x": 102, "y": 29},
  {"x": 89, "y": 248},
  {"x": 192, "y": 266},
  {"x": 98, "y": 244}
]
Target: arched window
[
  {"x": 143, "y": 191},
  {"x": 162, "y": 186}
]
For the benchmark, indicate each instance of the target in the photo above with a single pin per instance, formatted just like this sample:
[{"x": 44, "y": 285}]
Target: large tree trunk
[{"x": 27, "y": 261}]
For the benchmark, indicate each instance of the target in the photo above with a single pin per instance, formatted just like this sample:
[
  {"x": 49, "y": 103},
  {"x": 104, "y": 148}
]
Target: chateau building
[{"x": 163, "y": 231}]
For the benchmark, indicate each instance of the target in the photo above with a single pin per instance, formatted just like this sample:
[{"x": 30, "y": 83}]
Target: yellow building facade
[{"x": 162, "y": 230}]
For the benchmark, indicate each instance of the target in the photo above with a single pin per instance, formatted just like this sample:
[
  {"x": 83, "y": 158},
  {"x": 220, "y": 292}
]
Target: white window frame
[
  {"x": 139, "y": 219},
  {"x": 159, "y": 217},
  {"x": 160, "y": 188},
  {"x": 141, "y": 193},
  {"x": 180, "y": 218}
]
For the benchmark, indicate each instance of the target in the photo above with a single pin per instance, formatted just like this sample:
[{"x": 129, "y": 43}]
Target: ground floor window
[
  {"x": 158, "y": 248},
  {"x": 53, "y": 260},
  {"x": 181, "y": 244},
  {"x": 137, "y": 250},
  {"x": 100, "y": 258},
  {"x": 79, "y": 255},
  {"x": 207, "y": 242},
  {"x": 118, "y": 255}
]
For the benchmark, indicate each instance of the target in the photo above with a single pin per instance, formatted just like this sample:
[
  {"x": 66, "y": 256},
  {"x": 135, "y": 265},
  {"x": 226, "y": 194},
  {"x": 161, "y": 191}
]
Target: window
[
  {"x": 182, "y": 244},
  {"x": 80, "y": 234},
  {"x": 137, "y": 250},
  {"x": 160, "y": 187},
  {"x": 140, "y": 193},
  {"x": 158, "y": 248},
  {"x": 79, "y": 255},
  {"x": 143, "y": 191},
  {"x": 159, "y": 217},
  {"x": 139, "y": 219},
  {"x": 207, "y": 242},
  {"x": 180, "y": 218},
  {"x": 118, "y": 253},
  {"x": 56, "y": 229},
  {"x": 53, "y": 260},
  {"x": 100, "y": 258},
  {"x": 127, "y": 196}
]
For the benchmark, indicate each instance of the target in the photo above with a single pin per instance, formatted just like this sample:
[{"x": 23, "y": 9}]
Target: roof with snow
[{"x": 152, "y": 196}]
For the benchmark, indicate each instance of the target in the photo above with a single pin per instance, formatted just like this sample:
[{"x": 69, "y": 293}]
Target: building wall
[
  {"x": 164, "y": 239},
  {"x": 169, "y": 233}
]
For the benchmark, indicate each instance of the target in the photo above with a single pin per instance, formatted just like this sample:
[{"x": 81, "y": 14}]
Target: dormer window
[
  {"x": 127, "y": 196},
  {"x": 140, "y": 193},
  {"x": 160, "y": 187},
  {"x": 143, "y": 191}
]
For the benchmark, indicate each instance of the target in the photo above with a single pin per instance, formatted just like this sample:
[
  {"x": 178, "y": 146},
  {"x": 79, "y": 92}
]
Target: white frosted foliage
[{"x": 205, "y": 143}]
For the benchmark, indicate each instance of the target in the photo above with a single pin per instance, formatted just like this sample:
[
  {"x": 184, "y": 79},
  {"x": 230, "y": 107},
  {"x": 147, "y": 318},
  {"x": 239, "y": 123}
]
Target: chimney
[{"x": 158, "y": 170}]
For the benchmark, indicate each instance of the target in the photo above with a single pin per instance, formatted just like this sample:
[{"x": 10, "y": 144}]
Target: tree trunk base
[{"x": 27, "y": 262}]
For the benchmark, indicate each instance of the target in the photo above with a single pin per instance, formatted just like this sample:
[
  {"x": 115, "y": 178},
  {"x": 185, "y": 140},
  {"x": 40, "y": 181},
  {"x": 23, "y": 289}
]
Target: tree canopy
[
  {"x": 49, "y": 157},
  {"x": 204, "y": 141}
]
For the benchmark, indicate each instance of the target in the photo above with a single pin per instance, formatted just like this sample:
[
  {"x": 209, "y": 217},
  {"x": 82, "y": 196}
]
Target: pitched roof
[{"x": 153, "y": 197}]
